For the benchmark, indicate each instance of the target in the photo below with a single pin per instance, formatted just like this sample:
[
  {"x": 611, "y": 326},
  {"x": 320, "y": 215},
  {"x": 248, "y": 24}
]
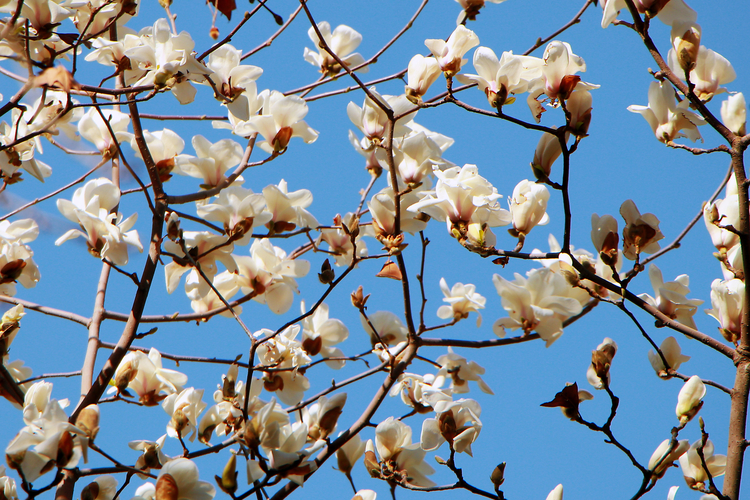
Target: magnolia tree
[{"x": 372, "y": 367}]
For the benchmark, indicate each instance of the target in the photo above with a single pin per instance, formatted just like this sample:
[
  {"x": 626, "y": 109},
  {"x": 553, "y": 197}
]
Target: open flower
[
  {"x": 460, "y": 372},
  {"x": 710, "y": 71},
  {"x": 179, "y": 479},
  {"x": 641, "y": 233},
  {"x": 672, "y": 353},
  {"x": 212, "y": 162},
  {"x": 106, "y": 234},
  {"x": 398, "y": 455},
  {"x": 667, "y": 119},
  {"x": 320, "y": 334},
  {"x": 671, "y": 297},
  {"x": 280, "y": 119},
  {"x": 421, "y": 73},
  {"x": 342, "y": 42},
  {"x": 462, "y": 299},
  {"x": 692, "y": 465},
  {"x": 449, "y": 53},
  {"x": 456, "y": 422}
]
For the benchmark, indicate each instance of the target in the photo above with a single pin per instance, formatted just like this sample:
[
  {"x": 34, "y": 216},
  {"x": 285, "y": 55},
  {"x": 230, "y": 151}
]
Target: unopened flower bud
[
  {"x": 498, "y": 475},
  {"x": 686, "y": 40},
  {"x": 359, "y": 299},
  {"x": 371, "y": 460},
  {"x": 689, "y": 400},
  {"x": 173, "y": 226},
  {"x": 326, "y": 274},
  {"x": 228, "y": 480},
  {"x": 214, "y": 33}
]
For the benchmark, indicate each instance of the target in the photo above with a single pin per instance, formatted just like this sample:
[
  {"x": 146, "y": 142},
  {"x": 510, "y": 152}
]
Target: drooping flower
[
  {"x": 667, "y": 119},
  {"x": 342, "y": 42},
  {"x": 184, "y": 408}
]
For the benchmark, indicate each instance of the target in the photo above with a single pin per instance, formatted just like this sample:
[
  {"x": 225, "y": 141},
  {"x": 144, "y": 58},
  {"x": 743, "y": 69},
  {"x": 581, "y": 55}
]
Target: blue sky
[{"x": 620, "y": 160}]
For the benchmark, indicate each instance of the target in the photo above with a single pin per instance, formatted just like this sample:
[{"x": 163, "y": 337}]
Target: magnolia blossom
[
  {"x": 686, "y": 39},
  {"x": 671, "y": 297},
  {"x": 212, "y": 162},
  {"x": 692, "y": 465},
  {"x": 449, "y": 53},
  {"x": 390, "y": 330},
  {"x": 421, "y": 73},
  {"x": 398, "y": 453},
  {"x": 19, "y": 155},
  {"x": 456, "y": 422},
  {"x": 285, "y": 353},
  {"x": 724, "y": 213},
  {"x": 145, "y": 375},
  {"x": 164, "y": 145},
  {"x": 415, "y": 390},
  {"x": 460, "y": 372},
  {"x": 340, "y": 242},
  {"x": 670, "y": 12},
  {"x": 239, "y": 210},
  {"x": 205, "y": 249},
  {"x": 727, "y": 299},
  {"x": 349, "y": 454},
  {"x": 16, "y": 259},
  {"x": 322, "y": 416},
  {"x": 107, "y": 235},
  {"x": 231, "y": 79},
  {"x": 184, "y": 408},
  {"x": 280, "y": 119},
  {"x": 498, "y": 79},
  {"x": 226, "y": 284},
  {"x": 538, "y": 303},
  {"x": 641, "y": 233},
  {"x": 605, "y": 237},
  {"x": 734, "y": 113},
  {"x": 548, "y": 149},
  {"x": 711, "y": 70},
  {"x": 179, "y": 478},
  {"x": 342, "y": 42},
  {"x": 667, "y": 119},
  {"x": 287, "y": 209},
  {"x": 462, "y": 299},
  {"x": 663, "y": 458},
  {"x": 371, "y": 119},
  {"x": 93, "y": 129},
  {"x": 102, "y": 488},
  {"x": 689, "y": 400},
  {"x": 579, "y": 107},
  {"x": 168, "y": 60},
  {"x": 7, "y": 485},
  {"x": 601, "y": 360},
  {"x": 672, "y": 353},
  {"x": 556, "y": 493},
  {"x": 528, "y": 206},
  {"x": 383, "y": 211},
  {"x": 320, "y": 334},
  {"x": 415, "y": 157},
  {"x": 53, "y": 115},
  {"x": 153, "y": 457}
]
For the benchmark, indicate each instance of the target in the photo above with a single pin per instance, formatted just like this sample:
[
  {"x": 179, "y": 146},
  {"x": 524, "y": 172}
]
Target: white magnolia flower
[
  {"x": 184, "y": 408},
  {"x": 320, "y": 334},
  {"x": 662, "y": 459},
  {"x": 391, "y": 330},
  {"x": 538, "y": 303},
  {"x": 239, "y": 210},
  {"x": 462, "y": 300},
  {"x": 548, "y": 149},
  {"x": 340, "y": 243},
  {"x": 499, "y": 79},
  {"x": 671, "y": 12},
  {"x": 153, "y": 457},
  {"x": 667, "y": 119},
  {"x": 734, "y": 113},
  {"x": 601, "y": 359},
  {"x": 179, "y": 479},
  {"x": 230, "y": 78},
  {"x": 107, "y": 235},
  {"x": 421, "y": 73},
  {"x": 692, "y": 465},
  {"x": 449, "y": 53},
  {"x": 287, "y": 209},
  {"x": 460, "y": 372},
  {"x": 205, "y": 249},
  {"x": 672, "y": 353},
  {"x": 671, "y": 297},
  {"x": 727, "y": 299},
  {"x": 20, "y": 155},
  {"x": 689, "y": 400},
  {"x": 280, "y": 119},
  {"x": 372, "y": 120},
  {"x": 168, "y": 60},
  {"x": 93, "y": 129},
  {"x": 528, "y": 206},
  {"x": 556, "y": 493},
  {"x": 394, "y": 446},
  {"x": 145, "y": 375},
  {"x": 711, "y": 70},
  {"x": 212, "y": 162},
  {"x": 456, "y": 422},
  {"x": 164, "y": 146},
  {"x": 641, "y": 233},
  {"x": 342, "y": 42}
]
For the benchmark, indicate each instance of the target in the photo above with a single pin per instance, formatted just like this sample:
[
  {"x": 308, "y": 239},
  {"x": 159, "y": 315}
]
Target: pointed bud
[
  {"x": 359, "y": 300},
  {"x": 326, "y": 274},
  {"x": 498, "y": 475},
  {"x": 228, "y": 480},
  {"x": 689, "y": 400}
]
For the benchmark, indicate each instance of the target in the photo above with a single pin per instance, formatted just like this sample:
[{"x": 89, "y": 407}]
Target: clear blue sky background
[{"x": 620, "y": 160}]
